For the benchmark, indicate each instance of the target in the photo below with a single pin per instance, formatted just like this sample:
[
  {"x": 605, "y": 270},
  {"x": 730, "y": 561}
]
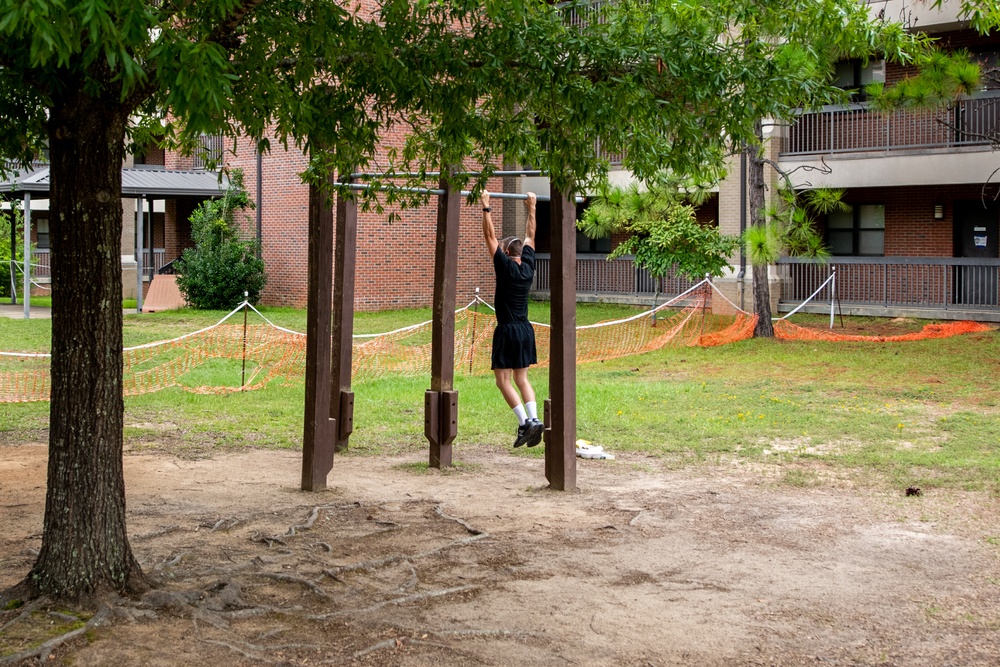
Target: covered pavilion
[{"x": 142, "y": 184}]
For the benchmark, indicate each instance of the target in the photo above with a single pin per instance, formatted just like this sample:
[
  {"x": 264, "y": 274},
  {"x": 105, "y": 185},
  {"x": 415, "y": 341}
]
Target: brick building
[{"x": 922, "y": 234}]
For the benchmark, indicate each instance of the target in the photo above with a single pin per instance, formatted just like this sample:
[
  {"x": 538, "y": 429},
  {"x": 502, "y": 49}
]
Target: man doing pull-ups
[{"x": 514, "y": 337}]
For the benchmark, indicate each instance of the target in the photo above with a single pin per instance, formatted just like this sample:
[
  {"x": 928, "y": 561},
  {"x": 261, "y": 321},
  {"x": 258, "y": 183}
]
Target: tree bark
[
  {"x": 85, "y": 551},
  {"x": 755, "y": 187}
]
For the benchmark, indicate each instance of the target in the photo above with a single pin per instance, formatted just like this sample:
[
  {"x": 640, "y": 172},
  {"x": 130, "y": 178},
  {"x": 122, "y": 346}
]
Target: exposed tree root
[
  {"x": 43, "y": 651},
  {"x": 257, "y": 652},
  {"x": 412, "y": 582},
  {"x": 154, "y": 534},
  {"x": 254, "y": 612},
  {"x": 439, "y": 510},
  {"x": 226, "y": 523},
  {"x": 26, "y": 611},
  {"x": 212, "y": 596},
  {"x": 292, "y": 530},
  {"x": 335, "y": 572},
  {"x": 394, "y": 601},
  {"x": 399, "y": 642},
  {"x": 395, "y": 642},
  {"x": 269, "y": 540},
  {"x": 314, "y": 587}
]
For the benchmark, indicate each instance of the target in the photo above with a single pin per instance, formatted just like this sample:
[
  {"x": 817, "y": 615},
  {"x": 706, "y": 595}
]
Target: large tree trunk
[
  {"x": 85, "y": 550},
  {"x": 755, "y": 185}
]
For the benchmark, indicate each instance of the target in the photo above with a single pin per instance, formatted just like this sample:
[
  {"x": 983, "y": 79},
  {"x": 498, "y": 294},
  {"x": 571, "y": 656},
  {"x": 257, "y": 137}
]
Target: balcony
[
  {"x": 598, "y": 279},
  {"x": 927, "y": 287},
  {"x": 935, "y": 287},
  {"x": 856, "y": 129}
]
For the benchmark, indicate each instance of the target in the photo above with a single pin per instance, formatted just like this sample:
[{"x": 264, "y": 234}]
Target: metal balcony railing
[
  {"x": 855, "y": 128},
  {"x": 210, "y": 152},
  {"x": 896, "y": 282},
  {"x": 42, "y": 268},
  {"x": 618, "y": 277}
]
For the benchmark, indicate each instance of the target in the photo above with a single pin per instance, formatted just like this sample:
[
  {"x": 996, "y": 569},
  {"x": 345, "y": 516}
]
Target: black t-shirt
[{"x": 513, "y": 283}]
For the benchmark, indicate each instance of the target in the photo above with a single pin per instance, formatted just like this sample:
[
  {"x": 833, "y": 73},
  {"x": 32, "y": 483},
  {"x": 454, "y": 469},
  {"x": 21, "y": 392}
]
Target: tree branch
[{"x": 224, "y": 34}]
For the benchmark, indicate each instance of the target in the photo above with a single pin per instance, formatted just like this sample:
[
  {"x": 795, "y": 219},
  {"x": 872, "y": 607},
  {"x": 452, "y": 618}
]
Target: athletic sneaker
[
  {"x": 536, "y": 430},
  {"x": 523, "y": 433},
  {"x": 529, "y": 433}
]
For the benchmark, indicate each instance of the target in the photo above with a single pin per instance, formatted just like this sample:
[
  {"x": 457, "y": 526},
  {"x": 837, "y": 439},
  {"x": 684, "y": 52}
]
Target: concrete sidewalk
[{"x": 7, "y": 309}]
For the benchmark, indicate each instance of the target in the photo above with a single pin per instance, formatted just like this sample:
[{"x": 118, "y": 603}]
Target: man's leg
[
  {"x": 524, "y": 429},
  {"x": 521, "y": 380},
  {"x": 535, "y": 427},
  {"x": 506, "y": 388}
]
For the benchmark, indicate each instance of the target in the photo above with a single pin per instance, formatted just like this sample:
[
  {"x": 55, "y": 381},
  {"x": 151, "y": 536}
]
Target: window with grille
[{"x": 859, "y": 231}]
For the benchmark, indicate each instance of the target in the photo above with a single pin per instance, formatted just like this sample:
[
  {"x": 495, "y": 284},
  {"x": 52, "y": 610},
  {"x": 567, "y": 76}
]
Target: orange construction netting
[{"x": 230, "y": 357}]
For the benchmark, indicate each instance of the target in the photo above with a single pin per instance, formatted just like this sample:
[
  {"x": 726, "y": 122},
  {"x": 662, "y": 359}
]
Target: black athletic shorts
[{"x": 514, "y": 345}]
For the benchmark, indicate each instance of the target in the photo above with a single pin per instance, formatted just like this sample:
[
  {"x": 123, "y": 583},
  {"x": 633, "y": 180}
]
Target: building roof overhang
[{"x": 158, "y": 183}]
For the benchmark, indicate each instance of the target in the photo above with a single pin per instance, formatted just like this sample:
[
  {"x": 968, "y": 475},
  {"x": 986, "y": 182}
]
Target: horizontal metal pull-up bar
[
  {"x": 438, "y": 191},
  {"x": 436, "y": 174}
]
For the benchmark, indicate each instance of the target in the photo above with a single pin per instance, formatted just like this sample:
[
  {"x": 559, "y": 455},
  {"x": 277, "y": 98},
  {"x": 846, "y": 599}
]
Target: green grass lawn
[{"x": 923, "y": 413}]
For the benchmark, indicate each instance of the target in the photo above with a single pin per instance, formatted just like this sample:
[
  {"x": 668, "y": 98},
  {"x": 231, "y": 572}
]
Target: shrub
[
  {"x": 222, "y": 265},
  {"x": 5, "y": 249}
]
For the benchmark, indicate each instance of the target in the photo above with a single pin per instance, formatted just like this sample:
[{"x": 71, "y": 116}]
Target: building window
[
  {"x": 853, "y": 76},
  {"x": 209, "y": 152},
  {"x": 859, "y": 231},
  {"x": 585, "y": 244},
  {"x": 42, "y": 234},
  {"x": 989, "y": 65}
]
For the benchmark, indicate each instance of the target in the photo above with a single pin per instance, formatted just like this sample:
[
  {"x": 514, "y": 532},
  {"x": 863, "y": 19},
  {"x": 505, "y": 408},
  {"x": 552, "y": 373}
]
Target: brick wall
[
  {"x": 910, "y": 227},
  {"x": 395, "y": 262}
]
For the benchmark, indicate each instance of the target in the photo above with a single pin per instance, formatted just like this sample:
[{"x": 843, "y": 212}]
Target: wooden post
[
  {"x": 317, "y": 441},
  {"x": 345, "y": 261},
  {"x": 441, "y": 401},
  {"x": 560, "y": 446}
]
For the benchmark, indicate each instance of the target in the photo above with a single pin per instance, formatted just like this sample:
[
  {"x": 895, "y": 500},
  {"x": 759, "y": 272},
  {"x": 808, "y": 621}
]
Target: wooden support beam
[
  {"x": 318, "y": 434},
  {"x": 441, "y": 402},
  {"x": 345, "y": 262},
  {"x": 560, "y": 446}
]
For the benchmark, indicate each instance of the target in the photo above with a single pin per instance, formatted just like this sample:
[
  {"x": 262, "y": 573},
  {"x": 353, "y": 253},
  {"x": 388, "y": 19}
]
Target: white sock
[
  {"x": 521, "y": 415},
  {"x": 532, "y": 409}
]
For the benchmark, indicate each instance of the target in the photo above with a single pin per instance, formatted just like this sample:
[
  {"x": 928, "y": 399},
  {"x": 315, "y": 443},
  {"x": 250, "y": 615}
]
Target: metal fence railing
[
  {"x": 596, "y": 275},
  {"x": 896, "y": 282},
  {"x": 42, "y": 268},
  {"x": 855, "y": 128},
  {"x": 159, "y": 259}
]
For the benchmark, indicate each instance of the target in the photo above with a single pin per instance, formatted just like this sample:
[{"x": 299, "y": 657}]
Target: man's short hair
[{"x": 512, "y": 246}]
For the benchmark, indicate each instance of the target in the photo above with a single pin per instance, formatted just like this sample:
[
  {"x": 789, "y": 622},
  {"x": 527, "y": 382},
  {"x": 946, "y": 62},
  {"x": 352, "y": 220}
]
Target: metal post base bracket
[{"x": 440, "y": 425}]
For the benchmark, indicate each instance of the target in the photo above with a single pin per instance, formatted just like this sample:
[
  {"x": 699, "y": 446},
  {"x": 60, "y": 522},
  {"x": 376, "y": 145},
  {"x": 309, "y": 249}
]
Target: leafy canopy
[{"x": 666, "y": 82}]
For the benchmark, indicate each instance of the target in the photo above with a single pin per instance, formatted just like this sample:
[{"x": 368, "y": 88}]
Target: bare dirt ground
[{"x": 483, "y": 565}]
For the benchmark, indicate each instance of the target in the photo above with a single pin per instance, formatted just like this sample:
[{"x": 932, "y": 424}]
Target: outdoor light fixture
[{"x": 938, "y": 211}]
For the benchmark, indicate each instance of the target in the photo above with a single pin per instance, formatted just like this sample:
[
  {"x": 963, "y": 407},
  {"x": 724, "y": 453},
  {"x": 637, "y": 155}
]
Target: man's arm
[
  {"x": 488, "y": 232},
  {"x": 529, "y": 228}
]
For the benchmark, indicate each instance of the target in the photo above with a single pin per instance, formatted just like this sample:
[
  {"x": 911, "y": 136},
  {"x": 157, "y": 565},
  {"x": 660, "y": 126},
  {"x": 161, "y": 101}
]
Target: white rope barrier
[
  {"x": 719, "y": 292},
  {"x": 477, "y": 299},
  {"x": 179, "y": 338},
  {"x": 646, "y": 313},
  {"x": 811, "y": 296}
]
